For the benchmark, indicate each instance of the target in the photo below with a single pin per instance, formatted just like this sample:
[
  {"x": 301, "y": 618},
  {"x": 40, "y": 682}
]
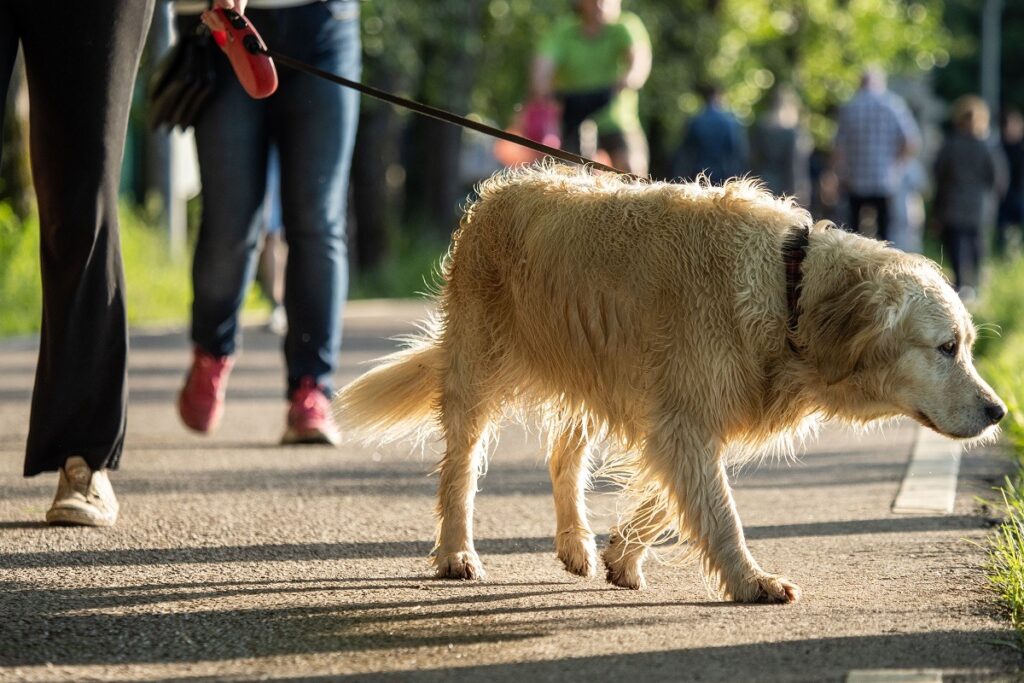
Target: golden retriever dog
[{"x": 682, "y": 326}]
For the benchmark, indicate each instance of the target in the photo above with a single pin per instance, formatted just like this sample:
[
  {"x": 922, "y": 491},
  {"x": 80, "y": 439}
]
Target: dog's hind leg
[
  {"x": 627, "y": 548},
  {"x": 464, "y": 416},
  {"x": 569, "y": 464},
  {"x": 699, "y": 489}
]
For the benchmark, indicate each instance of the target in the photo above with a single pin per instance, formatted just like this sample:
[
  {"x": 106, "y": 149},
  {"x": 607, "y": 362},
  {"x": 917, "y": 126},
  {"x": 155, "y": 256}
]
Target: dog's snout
[{"x": 995, "y": 411}]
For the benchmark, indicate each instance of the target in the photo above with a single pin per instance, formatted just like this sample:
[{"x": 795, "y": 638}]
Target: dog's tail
[{"x": 397, "y": 399}]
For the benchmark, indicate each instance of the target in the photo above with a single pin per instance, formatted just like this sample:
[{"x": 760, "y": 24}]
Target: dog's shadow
[{"x": 118, "y": 623}]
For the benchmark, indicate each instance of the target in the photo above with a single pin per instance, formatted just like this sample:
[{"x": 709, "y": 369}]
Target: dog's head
[{"x": 896, "y": 339}]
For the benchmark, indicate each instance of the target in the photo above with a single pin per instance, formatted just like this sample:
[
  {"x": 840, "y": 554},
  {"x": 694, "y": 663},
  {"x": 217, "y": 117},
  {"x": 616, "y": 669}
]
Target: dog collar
[{"x": 794, "y": 248}]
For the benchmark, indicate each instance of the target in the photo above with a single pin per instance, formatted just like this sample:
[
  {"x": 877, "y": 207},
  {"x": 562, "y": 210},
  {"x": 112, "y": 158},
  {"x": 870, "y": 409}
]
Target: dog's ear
[{"x": 845, "y": 330}]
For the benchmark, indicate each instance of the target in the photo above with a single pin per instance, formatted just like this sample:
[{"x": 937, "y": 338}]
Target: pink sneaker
[
  {"x": 201, "y": 401},
  {"x": 309, "y": 417}
]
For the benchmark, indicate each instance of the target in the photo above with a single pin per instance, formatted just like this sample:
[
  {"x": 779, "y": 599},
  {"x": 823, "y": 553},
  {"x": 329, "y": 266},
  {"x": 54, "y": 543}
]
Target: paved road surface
[{"x": 237, "y": 559}]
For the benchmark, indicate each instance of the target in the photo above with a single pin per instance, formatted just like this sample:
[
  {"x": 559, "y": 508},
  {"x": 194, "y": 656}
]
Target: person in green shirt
[{"x": 594, "y": 62}]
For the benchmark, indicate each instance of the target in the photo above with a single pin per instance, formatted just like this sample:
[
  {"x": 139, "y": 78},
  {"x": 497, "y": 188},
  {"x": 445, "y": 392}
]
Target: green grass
[
  {"x": 1003, "y": 368},
  {"x": 19, "y": 275},
  {"x": 410, "y": 271},
  {"x": 999, "y": 313},
  {"x": 1001, "y": 363},
  {"x": 158, "y": 289},
  {"x": 1006, "y": 557}
]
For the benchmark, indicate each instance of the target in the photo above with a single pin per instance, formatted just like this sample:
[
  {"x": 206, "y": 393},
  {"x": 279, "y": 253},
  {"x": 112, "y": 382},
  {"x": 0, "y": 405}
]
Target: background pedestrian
[{"x": 875, "y": 134}]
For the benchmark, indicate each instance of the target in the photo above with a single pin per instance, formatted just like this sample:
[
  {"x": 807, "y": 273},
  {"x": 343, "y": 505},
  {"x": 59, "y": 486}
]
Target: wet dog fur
[{"x": 653, "y": 317}]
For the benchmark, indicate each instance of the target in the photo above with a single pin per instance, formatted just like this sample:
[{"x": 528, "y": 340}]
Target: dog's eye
[{"x": 948, "y": 349}]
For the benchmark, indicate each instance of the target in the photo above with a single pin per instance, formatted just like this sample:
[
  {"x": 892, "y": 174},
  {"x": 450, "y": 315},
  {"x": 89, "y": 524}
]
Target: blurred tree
[
  {"x": 746, "y": 46},
  {"x": 473, "y": 56},
  {"x": 961, "y": 76},
  {"x": 374, "y": 192},
  {"x": 452, "y": 40},
  {"x": 428, "y": 52},
  {"x": 391, "y": 62}
]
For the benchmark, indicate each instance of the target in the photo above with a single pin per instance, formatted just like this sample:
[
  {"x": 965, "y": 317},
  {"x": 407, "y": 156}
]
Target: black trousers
[
  {"x": 81, "y": 60},
  {"x": 881, "y": 207},
  {"x": 577, "y": 108}
]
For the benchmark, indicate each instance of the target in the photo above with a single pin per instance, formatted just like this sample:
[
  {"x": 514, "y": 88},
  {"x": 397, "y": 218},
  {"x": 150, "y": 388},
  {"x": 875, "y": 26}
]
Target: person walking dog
[{"x": 312, "y": 125}]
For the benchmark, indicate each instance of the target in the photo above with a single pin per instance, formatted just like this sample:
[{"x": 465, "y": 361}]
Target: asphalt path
[{"x": 238, "y": 559}]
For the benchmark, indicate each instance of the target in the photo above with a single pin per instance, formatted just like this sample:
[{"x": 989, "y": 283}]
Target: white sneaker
[
  {"x": 278, "y": 322},
  {"x": 84, "y": 497}
]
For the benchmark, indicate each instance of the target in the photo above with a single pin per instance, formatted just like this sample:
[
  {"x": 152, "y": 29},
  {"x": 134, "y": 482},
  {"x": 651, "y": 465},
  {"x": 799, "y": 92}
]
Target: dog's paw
[
  {"x": 768, "y": 588},
  {"x": 460, "y": 565},
  {"x": 624, "y": 569},
  {"x": 577, "y": 553}
]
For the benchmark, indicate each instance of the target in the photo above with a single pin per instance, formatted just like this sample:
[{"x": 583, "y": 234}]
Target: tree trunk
[
  {"x": 443, "y": 190},
  {"x": 374, "y": 192},
  {"x": 435, "y": 186}
]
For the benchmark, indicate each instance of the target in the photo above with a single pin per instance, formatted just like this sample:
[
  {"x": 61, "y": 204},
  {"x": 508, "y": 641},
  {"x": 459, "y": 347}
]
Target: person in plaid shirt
[{"x": 876, "y": 132}]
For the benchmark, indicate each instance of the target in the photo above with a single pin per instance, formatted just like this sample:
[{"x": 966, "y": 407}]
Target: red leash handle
[{"x": 247, "y": 53}]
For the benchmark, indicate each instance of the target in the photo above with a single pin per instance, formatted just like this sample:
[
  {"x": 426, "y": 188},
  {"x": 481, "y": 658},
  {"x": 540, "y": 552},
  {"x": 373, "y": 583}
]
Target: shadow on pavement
[
  {"x": 79, "y": 627},
  {"x": 406, "y": 478},
  {"x": 893, "y": 524},
  {"x": 812, "y": 659},
  {"x": 411, "y": 549},
  {"x": 409, "y": 475},
  {"x": 114, "y": 625}
]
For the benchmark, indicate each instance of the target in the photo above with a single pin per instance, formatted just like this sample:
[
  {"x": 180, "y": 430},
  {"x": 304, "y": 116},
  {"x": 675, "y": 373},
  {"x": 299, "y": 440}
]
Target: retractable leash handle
[{"x": 247, "y": 53}]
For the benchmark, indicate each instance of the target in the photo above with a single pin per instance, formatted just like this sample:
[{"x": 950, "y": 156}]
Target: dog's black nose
[{"x": 995, "y": 412}]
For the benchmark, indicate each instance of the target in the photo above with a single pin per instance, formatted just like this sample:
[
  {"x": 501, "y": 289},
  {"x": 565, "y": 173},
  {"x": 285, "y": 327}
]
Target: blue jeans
[{"x": 312, "y": 123}]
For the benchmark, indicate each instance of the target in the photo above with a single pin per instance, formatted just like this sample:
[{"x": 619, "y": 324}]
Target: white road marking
[
  {"x": 894, "y": 676},
  {"x": 929, "y": 486}
]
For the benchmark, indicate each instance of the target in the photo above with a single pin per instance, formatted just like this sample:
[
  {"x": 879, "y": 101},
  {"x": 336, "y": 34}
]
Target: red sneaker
[
  {"x": 309, "y": 417},
  {"x": 201, "y": 401}
]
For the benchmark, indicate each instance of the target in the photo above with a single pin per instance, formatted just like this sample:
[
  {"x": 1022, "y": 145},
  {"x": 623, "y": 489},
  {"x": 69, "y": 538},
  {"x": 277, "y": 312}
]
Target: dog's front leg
[
  {"x": 569, "y": 464},
  {"x": 709, "y": 519}
]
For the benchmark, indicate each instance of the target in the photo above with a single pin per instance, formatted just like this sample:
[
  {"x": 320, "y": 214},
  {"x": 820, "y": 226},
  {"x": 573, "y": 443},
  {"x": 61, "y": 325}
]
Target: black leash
[{"x": 434, "y": 112}]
